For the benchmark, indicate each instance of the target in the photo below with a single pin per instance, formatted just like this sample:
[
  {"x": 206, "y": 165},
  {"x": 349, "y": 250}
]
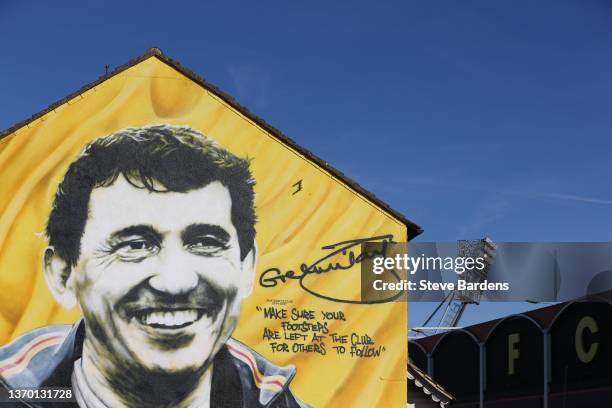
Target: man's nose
[{"x": 175, "y": 274}]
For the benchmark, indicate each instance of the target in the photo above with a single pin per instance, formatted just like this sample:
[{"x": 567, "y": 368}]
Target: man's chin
[
  {"x": 175, "y": 361},
  {"x": 178, "y": 354}
]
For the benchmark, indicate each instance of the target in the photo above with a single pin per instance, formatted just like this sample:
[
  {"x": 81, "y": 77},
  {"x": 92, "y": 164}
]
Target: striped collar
[{"x": 264, "y": 380}]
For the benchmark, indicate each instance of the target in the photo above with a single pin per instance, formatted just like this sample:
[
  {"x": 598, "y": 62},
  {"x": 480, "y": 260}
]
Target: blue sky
[{"x": 472, "y": 118}]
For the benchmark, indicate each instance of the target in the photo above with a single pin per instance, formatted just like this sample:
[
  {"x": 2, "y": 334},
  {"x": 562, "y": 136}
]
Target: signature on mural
[{"x": 342, "y": 256}]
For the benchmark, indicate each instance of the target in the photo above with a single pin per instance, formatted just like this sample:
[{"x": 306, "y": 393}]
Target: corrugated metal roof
[{"x": 545, "y": 316}]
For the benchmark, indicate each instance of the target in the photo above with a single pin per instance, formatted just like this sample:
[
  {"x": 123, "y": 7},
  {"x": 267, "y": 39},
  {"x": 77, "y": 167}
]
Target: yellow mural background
[{"x": 291, "y": 228}]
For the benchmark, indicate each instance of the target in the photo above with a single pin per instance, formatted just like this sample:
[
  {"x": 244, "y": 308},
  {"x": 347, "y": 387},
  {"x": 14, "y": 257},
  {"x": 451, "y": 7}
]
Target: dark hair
[{"x": 178, "y": 158}]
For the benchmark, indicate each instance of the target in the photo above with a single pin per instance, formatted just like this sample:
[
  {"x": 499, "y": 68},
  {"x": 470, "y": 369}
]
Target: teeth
[{"x": 170, "y": 319}]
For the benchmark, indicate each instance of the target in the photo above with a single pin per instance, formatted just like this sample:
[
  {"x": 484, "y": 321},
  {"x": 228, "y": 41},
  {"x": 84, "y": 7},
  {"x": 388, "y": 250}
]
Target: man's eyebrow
[
  {"x": 197, "y": 230},
  {"x": 140, "y": 230}
]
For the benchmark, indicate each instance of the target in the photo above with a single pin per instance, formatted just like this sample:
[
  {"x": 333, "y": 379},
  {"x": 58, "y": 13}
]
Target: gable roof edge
[{"x": 412, "y": 229}]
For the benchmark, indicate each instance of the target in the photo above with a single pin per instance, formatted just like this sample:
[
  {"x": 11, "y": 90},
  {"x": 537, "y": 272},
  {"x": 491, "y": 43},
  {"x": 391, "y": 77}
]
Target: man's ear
[
  {"x": 59, "y": 278},
  {"x": 248, "y": 272}
]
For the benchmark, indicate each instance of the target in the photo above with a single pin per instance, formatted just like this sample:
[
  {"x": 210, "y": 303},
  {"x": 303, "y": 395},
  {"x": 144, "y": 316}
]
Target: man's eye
[
  {"x": 207, "y": 245},
  {"x": 139, "y": 245},
  {"x": 135, "y": 249}
]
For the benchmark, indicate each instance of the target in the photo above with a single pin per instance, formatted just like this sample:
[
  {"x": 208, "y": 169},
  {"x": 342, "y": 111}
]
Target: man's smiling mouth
[
  {"x": 173, "y": 318},
  {"x": 161, "y": 314}
]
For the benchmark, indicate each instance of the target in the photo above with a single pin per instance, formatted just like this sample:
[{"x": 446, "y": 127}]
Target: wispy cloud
[
  {"x": 568, "y": 197},
  {"x": 524, "y": 194}
]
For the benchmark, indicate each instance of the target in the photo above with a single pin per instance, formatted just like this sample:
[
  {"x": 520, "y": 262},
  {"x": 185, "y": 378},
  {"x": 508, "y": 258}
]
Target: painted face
[{"x": 159, "y": 278}]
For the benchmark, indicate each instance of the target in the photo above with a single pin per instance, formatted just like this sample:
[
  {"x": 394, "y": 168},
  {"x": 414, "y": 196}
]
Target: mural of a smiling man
[{"x": 152, "y": 234}]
